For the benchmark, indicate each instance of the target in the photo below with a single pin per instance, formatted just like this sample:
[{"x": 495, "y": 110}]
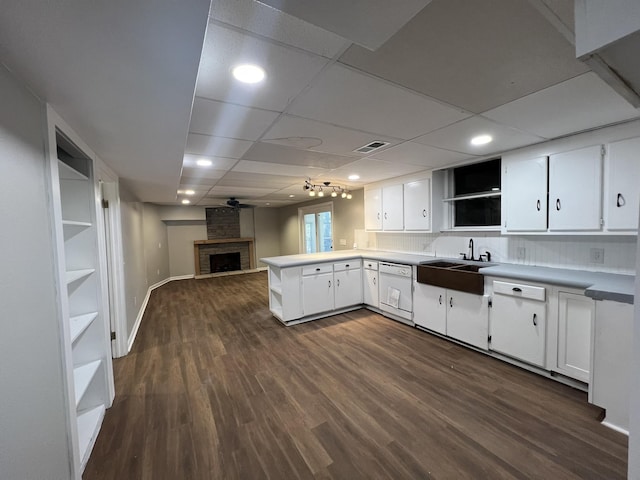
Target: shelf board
[
  {"x": 75, "y": 224},
  {"x": 79, "y": 324},
  {"x": 89, "y": 423},
  {"x": 82, "y": 376},
  {"x": 471, "y": 197},
  {"x": 276, "y": 289},
  {"x": 68, "y": 173},
  {"x": 73, "y": 275}
]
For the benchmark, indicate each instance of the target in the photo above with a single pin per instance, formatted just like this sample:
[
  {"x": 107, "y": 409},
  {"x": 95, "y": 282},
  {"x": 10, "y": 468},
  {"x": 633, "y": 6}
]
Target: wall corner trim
[{"x": 143, "y": 307}]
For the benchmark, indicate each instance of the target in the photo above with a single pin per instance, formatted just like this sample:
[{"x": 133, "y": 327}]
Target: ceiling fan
[{"x": 234, "y": 203}]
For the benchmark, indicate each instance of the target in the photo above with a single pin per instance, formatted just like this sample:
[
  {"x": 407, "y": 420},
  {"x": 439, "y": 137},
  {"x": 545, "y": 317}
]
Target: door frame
[{"x": 315, "y": 208}]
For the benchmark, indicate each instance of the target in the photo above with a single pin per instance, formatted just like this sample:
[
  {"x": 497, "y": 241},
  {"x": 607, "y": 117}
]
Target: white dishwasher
[{"x": 396, "y": 295}]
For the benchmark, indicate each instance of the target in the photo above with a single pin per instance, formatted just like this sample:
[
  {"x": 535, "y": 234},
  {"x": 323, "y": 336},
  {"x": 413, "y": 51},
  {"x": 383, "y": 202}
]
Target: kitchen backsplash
[{"x": 574, "y": 252}]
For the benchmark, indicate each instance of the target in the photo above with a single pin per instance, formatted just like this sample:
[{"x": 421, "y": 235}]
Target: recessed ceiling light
[
  {"x": 354, "y": 177},
  {"x": 248, "y": 73},
  {"x": 481, "y": 140},
  {"x": 267, "y": 203},
  {"x": 189, "y": 192},
  {"x": 186, "y": 201},
  {"x": 203, "y": 162},
  {"x": 291, "y": 196}
]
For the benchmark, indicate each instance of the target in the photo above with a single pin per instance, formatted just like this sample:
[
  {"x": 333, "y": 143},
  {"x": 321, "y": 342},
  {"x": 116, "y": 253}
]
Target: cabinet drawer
[
  {"x": 371, "y": 265},
  {"x": 317, "y": 269},
  {"x": 519, "y": 290},
  {"x": 348, "y": 265}
]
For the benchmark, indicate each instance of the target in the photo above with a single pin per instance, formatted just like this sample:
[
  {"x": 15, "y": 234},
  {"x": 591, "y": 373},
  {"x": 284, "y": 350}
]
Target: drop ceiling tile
[
  {"x": 217, "y": 163},
  {"x": 199, "y": 172},
  {"x": 475, "y": 55},
  {"x": 216, "y": 146},
  {"x": 366, "y": 22},
  {"x": 210, "y": 117},
  {"x": 345, "y": 97},
  {"x": 233, "y": 179},
  {"x": 295, "y": 189},
  {"x": 197, "y": 187},
  {"x": 249, "y": 166},
  {"x": 458, "y": 137},
  {"x": 578, "y": 104},
  {"x": 320, "y": 137},
  {"x": 240, "y": 192},
  {"x": 276, "y": 25},
  {"x": 371, "y": 170},
  {"x": 288, "y": 70},
  {"x": 419, "y": 154},
  {"x": 201, "y": 182},
  {"x": 266, "y": 152}
]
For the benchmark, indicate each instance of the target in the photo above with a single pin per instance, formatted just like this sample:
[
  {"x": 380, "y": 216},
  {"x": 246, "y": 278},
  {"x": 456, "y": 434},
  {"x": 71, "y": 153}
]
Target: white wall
[
  {"x": 267, "y": 233},
  {"x": 156, "y": 245},
  {"x": 181, "y": 237},
  {"x": 33, "y": 423}
]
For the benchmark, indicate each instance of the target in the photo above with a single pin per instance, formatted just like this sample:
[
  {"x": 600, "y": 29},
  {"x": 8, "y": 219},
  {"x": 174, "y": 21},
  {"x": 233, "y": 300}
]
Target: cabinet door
[
  {"x": 575, "y": 190},
  {"x": 348, "y": 289},
  {"x": 623, "y": 188},
  {"x": 468, "y": 318},
  {"x": 371, "y": 295},
  {"x": 525, "y": 195},
  {"x": 392, "y": 208},
  {"x": 317, "y": 293},
  {"x": 373, "y": 209},
  {"x": 575, "y": 320},
  {"x": 430, "y": 307},
  {"x": 518, "y": 328},
  {"x": 417, "y": 205}
]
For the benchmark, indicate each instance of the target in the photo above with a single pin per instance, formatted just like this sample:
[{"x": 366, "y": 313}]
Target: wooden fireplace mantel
[{"x": 197, "y": 243}]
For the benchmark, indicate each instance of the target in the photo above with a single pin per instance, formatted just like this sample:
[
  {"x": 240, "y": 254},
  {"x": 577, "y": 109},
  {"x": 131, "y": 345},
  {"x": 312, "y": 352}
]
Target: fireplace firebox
[{"x": 224, "y": 262}]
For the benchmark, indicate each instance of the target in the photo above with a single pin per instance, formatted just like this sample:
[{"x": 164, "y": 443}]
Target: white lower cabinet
[
  {"x": 429, "y": 307},
  {"x": 575, "y": 321},
  {"x": 518, "y": 320},
  {"x": 348, "y": 283},
  {"x": 460, "y": 315},
  {"x": 317, "y": 289},
  {"x": 371, "y": 293}
]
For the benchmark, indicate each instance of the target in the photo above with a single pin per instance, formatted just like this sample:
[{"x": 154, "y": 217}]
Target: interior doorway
[{"x": 316, "y": 228}]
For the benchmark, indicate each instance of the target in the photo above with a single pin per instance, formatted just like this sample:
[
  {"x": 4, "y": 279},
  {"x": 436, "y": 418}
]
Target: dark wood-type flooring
[{"x": 216, "y": 388}]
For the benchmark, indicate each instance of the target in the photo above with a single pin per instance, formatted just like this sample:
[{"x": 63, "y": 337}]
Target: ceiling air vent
[{"x": 371, "y": 147}]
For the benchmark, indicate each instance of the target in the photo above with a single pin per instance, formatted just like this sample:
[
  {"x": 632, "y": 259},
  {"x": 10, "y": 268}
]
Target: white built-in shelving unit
[{"x": 85, "y": 329}]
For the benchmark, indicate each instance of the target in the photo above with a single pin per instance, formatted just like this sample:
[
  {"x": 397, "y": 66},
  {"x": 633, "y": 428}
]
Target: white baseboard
[
  {"x": 143, "y": 307},
  {"x": 615, "y": 427}
]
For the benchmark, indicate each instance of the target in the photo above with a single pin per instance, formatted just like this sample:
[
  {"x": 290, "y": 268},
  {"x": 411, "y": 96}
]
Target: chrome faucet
[{"x": 470, "y": 257}]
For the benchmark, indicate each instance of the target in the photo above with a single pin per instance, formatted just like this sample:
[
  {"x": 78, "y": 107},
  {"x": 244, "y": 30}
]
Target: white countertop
[{"x": 597, "y": 285}]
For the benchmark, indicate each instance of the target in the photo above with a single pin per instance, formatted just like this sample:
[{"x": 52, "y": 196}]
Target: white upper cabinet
[
  {"x": 524, "y": 195},
  {"x": 417, "y": 205},
  {"x": 575, "y": 190},
  {"x": 373, "y": 209},
  {"x": 392, "y": 208},
  {"x": 622, "y": 191}
]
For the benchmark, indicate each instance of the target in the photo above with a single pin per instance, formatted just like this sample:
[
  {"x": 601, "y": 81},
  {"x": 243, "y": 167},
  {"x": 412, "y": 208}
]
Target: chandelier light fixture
[{"x": 326, "y": 187}]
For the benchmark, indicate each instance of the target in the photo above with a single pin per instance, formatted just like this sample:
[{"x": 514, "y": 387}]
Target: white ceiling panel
[
  {"x": 458, "y": 137},
  {"x": 345, "y": 97},
  {"x": 267, "y": 152},
  {"x": 271, "y": 23},
  {"x": 216, "y": 146},
  {"x": 233, "y": 179},
  {"x": 288, "y": 70},
  {"x": 217, "y": 163},
  {"x": 240, "y": 192},
  {"x": 200, "y": 172},
  {"x": 366, "y": 22},
  {"x": 321, "y": 137},
  {"x": 578, "y": 104},
  {"x": 210, "y": 117},
  {"x": 419, "y": 154},
  {"x": 476, "y": 55},
  {"x": 201, "y": 182},
  {"x": 371, "y": 170},
  {"x": 277, "y": 169}
]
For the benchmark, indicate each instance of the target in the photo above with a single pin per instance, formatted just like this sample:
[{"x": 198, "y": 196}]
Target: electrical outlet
[
  {"x": 596, "y": 255},
  {"x": 522, "y": 253}
]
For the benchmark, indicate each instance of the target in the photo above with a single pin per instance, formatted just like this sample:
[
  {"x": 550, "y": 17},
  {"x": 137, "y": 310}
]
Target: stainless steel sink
[{"x": 463, "y": 277}]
